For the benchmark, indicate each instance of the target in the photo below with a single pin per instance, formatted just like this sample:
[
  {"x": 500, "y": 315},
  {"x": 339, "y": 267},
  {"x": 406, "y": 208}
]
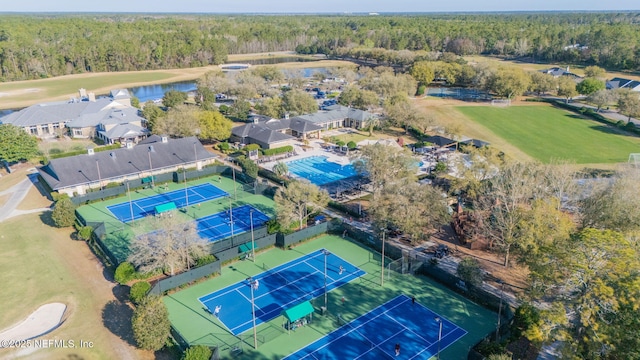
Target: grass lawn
[
  {"x": 546, "y": 133},
  {"x": 40, "y": 264}
]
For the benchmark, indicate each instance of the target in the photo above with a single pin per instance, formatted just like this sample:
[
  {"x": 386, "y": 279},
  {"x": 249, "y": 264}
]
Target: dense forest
[{"x": 45, "y": 45}]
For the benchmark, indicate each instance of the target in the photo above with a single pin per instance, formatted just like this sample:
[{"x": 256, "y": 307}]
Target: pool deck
[{"x": 316, "y": 150}]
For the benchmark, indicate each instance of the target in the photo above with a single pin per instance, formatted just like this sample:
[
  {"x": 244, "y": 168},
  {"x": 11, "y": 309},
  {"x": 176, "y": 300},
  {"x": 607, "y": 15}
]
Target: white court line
[
  {"x": 396, "y": 321},
  {"x": 377, "y": 346},
  {"x": 317, "y": 270},
  {"x": 444, "y": 336},
  {"x": 341, "y": 328}
]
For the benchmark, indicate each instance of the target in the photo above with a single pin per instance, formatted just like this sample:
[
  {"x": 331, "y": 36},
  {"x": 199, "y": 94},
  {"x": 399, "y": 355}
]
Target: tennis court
[
  {"x": 375, "y": 334},
  {"x": 137, "y": 209},
  {"x": 319, "y": 170},
  {"x": 219, "y": 225},
  {"x": 279, "y": 288}
]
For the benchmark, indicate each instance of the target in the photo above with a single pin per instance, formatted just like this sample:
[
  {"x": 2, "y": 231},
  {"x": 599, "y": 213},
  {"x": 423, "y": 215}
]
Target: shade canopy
[
  {"x": 165, "y": 207},
  {"x": 298, "y": 312}
]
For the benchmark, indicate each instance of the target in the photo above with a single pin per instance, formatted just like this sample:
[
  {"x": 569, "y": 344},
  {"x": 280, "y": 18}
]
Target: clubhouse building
[
  {"x": 110, "y": 118},
  {"x": 75, "y": 175},
  {"x": 272, "y": 133}
]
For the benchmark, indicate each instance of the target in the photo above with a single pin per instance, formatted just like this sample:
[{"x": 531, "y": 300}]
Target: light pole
[
  {"x": 253, "y": 243},
  {"x": 382, "y": 270},
  {"x": 186, "y": 192},
  {"x": 499, "y": 309},
  {"x": 130, "y": 204},
  {"x": 253, "y": 312},
  {"x": 195, "y": 155},
  {"x": 99, "y": 177},
  {"x": 151, "y": 166},
  {"x": 326, "y": 255},
  {"x": 439, "y": 321}
]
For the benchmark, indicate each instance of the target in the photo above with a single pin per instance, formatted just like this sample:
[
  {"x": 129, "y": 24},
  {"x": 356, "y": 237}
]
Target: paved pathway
[{"x": 18, "y": 193}]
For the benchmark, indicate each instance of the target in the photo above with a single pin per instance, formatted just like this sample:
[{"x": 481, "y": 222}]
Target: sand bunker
[{"x": 45, "y": 319}]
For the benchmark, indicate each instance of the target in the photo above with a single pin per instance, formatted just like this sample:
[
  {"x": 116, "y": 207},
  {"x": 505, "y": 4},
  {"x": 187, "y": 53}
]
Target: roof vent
[
  {"x": 165, "y": 139},
  {"x": 90, "y": 151},
  {"x": 129, "y": 145},
  {"x": 112, "y": 154}
]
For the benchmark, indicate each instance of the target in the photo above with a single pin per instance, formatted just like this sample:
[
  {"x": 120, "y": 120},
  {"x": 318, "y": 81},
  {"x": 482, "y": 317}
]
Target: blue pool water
[{"x": 319, "y": 170}]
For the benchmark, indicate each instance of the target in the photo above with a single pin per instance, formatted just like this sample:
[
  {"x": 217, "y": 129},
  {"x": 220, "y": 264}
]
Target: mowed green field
[{"x": 546, "y": 133}]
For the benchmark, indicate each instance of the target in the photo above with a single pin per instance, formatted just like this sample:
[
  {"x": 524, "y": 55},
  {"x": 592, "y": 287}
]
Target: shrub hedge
[
  {"x": 278, "y": 150},
  {"x": 80, "y": 152}
]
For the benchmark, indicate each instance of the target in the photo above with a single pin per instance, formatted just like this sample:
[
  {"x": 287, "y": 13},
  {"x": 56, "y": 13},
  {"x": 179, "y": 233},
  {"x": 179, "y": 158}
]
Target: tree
[
  {"x": 280, "y": 169},
  {"x": 64, "y": 213},
  {"x": 249, "y": 167},
  {"x": 415, "y": 209},
  {"x": 613, "y": 204},
  {"x": 470, "y": 272},
  {"x": 138, "y": 291},
  {"x": 474, "y": 169},
  {"x": 567, "y": 88},
  {"x": 205, "y": 97},
  {"x": 629, "y": 103},
  {"x": 505, "y": 203},
  {"x": 509, "y": 82},
  {"x": 135, "y": 102},
  {"x": 150, "y": 323},
  {"x": 175, "y": 246},
  {"x": 384, "y": 165},
  {"x": 423, "y": 72},
  {"x": 272, "y": 107},
  {"x": 124, "y": 273},
  {"x": 16, "y": 144},
  {"x": 589, "y": 86},
  {"x": 298, "y": 102},
  {"x": 595, "y": 72},
  {"x": 297, "y": 201},
  {"x": 592, "y": 275},
  {"x": 173, "y": 98},
  {"x": 197, "y": 352},
  {"x": 270, "y": 74},
  {"x": 240, "y": 110},
  {"x": 542, "y": 83},
  {"x": 180, "y": 121},
  {"x": 602, "y": 98},
  {"x": 213, "y": 126},
  {"x": 151, "y": 112}
]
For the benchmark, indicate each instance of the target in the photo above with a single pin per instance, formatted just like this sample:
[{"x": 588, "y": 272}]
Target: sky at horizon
[{"x": 307, "y": 6}]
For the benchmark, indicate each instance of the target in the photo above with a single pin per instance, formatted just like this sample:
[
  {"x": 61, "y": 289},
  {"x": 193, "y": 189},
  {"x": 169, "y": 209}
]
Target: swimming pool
[{"x": 319, "y": 170}]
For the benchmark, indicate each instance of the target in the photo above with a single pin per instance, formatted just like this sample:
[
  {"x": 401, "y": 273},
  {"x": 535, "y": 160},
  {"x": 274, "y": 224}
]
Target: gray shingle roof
[
  {"x": 82, "y": 169},
  {"x": 440, "y": 140},
  {"x": 125, "y": 131}
]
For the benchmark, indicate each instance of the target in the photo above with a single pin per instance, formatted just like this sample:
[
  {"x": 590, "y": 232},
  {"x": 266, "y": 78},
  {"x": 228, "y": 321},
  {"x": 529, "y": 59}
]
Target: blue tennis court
[
  {"x": 279, "y": 289},
  {"x": 375, "y": 334},
  {"x": 146, "y": 206},
  {"x": 218, "y": 226},
  {"x": 319, "y": 170}
]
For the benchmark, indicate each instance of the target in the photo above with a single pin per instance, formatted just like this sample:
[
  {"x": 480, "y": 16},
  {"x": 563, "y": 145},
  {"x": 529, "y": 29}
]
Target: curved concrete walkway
[{"x": 18, "y": 193}]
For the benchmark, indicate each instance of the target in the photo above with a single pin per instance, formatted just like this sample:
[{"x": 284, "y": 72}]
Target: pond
[{"x": 154, "y": 92}]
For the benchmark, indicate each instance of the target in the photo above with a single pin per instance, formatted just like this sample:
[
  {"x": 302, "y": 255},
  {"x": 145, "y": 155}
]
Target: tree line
[{"x": 40, "y": 46}]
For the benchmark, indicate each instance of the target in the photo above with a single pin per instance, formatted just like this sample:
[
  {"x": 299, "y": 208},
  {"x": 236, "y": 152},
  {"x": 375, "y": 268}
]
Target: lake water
[{"x": 153, "y": 92}]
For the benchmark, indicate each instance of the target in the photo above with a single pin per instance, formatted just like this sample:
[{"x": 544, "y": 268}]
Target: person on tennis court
[
  {"x": 397, "y": 349},
  {"x": 341, "y": 270},
  {"x": 256, "y": 284},
  {"x": 216, "y": 311}
]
